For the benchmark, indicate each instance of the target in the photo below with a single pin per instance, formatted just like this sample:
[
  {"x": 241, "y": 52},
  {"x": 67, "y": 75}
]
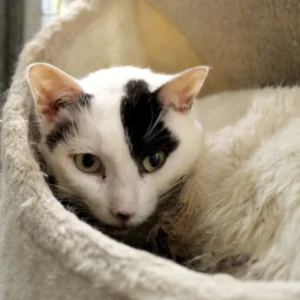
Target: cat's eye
[
  {"x": 154, "y": 161},
  {"x": 87, "y": 163}
]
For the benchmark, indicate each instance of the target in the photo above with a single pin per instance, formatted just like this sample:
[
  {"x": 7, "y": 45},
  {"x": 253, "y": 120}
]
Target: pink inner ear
[
  {"x": 180, "y": 92},
  {"x": 181, "y": 99},
  {"x": 47, "y": 111},
  {"x": 49, "y": 114},
  {"x": 184, "y": 105},
  {"x": 187, "y": 94},
  {"x": 48, "y": 102}
]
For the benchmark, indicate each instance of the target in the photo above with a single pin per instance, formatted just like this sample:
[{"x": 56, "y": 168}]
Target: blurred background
[{"x": 19, "y": 21}]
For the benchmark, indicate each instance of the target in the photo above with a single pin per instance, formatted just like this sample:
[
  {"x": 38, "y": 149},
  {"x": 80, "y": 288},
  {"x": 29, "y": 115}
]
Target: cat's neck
[{"x": 194, "y": 213}]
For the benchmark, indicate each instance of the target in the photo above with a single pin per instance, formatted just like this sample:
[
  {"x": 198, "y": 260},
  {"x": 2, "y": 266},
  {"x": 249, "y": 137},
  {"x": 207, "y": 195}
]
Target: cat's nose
[{"x": 123, "y": 217}]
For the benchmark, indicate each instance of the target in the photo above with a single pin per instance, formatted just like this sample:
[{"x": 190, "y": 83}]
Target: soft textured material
[{"x": 45, "y": 251}]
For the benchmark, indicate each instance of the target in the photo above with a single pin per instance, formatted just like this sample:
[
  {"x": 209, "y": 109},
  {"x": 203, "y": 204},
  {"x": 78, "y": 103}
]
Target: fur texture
[{"x": 243, "y": 198}]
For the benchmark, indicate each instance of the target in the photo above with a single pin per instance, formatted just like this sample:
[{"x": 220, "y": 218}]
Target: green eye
[
  {"x": 87, "y": 163},
  {"x": 154, "y": 161}
]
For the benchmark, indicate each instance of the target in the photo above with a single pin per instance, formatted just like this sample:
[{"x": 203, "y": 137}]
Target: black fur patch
[
  {"x": 64, "y": 129},
  {"x": 60, "y": 133},
  {"x": 84, "y": 100},
  {"x": 141, "y": 115}
]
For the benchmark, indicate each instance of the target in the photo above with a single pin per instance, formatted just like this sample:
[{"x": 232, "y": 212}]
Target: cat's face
[{"x": 119, "y": 138}]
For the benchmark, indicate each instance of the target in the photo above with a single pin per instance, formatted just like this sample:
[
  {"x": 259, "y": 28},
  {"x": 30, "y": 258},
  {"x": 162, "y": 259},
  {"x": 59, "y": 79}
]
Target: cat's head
[{"x": 119, "y": 138}]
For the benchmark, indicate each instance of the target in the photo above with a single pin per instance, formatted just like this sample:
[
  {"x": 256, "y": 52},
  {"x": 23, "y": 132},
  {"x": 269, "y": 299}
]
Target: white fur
[
  {"x": 216, "y": 111},
  {"x": 243, "y": 197},
  {"x": 102, "y": 134}
]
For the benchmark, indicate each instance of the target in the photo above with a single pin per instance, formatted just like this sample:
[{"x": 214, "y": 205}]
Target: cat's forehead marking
[
  {"x": 66, "y": 128},
  {"x": 60, "y": 133},
  {"x": 142, "y": 118}
]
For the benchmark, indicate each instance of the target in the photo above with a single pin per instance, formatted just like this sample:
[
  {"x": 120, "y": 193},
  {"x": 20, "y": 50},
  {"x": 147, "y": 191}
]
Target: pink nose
[{"x": 122, "y": 217}]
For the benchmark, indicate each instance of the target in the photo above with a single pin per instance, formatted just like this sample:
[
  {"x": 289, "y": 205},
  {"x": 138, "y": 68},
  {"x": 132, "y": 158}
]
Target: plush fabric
[{"x": 45, "y": 251}]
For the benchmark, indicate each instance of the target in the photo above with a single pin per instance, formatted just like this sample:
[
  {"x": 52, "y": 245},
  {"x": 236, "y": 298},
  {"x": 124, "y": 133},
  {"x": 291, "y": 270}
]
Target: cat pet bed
[{"x": 46, "y": 252}]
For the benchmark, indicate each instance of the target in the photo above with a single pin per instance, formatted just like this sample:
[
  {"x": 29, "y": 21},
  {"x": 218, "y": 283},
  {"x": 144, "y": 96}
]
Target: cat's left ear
[
  {"x": 51, "y": 87},
  {"x": 180, "y": 92}
]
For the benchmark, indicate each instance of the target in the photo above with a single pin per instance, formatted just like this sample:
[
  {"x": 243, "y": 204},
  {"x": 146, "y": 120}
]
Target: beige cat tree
[{"x": 45, "y": 251}]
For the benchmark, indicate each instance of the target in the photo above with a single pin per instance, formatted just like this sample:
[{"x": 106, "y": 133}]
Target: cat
[
  {"x": 240, "y": 206},
  {"x": 117, "y": 140}
]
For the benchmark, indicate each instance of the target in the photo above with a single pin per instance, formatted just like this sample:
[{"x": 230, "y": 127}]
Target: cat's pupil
[
  {"x": 88, "y": 160},
  {"x": 154, "y": 160}
]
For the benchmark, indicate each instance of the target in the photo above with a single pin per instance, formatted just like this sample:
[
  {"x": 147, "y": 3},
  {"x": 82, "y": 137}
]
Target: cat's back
[
  {"x": 259, "y": 115},
  {"x": 279, "y": 101},
  {"x": 219, "y": 110},
  {"x": 253, "y": 178}
]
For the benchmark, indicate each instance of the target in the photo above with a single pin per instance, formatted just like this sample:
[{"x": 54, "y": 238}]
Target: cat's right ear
[
  {"x": 51, "y": 87},
  {"x": 180, "y": 92}
]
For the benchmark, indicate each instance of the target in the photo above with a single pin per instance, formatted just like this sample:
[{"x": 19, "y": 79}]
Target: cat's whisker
[
  {"x": 152, "y": 126},
  {"x": 157, "y": 136},
  {"x": 60, "y": 188},
  {"x": 153, "y": 134},
  {"x": 151, "y": 121}
]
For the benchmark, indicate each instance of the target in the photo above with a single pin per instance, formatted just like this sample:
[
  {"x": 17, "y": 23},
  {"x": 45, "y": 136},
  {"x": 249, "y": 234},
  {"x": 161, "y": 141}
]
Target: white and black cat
[{"x": 118, "y": 139}]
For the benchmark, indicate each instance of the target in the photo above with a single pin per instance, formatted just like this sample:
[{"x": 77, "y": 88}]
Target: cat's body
[{"x": 243, "y": 199}]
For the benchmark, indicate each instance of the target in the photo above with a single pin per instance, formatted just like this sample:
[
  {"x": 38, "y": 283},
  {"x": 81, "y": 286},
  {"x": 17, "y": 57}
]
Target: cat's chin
[
  {"x": 118, "y": 229},
  {"x": 117, "y": 232}
]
